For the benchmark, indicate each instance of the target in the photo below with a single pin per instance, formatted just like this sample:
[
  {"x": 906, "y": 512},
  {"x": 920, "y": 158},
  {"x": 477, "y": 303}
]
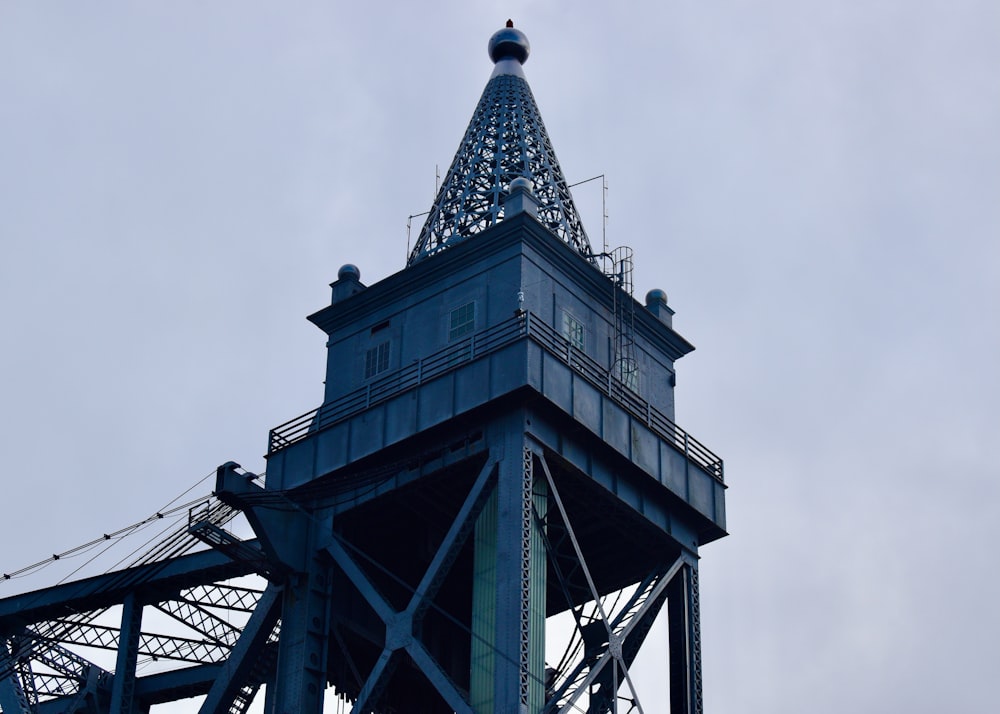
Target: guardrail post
[
  {"x": 420, "y": 370},
  {"x": 685, "y": 443},
  {"x": 472, "y": 348},
  {"x": 368, "y": 396}
]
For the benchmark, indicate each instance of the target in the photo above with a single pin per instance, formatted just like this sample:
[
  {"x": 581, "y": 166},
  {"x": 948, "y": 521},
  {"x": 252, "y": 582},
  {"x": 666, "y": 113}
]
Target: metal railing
[{"x": 481, "y": 344}]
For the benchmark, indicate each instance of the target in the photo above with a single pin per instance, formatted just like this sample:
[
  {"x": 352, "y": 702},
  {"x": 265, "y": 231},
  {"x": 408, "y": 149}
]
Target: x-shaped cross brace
[{"x": 399, "y": 625}]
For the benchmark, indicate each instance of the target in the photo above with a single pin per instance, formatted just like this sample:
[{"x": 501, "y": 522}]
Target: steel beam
[
  {"x": 12, "y": 697},
  {"x": 128, "y": 650},
  {"x": 245, "y": 655},
  {"x": 112, "y": 588},
  {"x": 508, "y": 627},
  {"x": 302, "y": 649},
  {"x": 685, "y": 641},
  {"x": 181, "y": 649},
  {"x": 201, "y": 620},
  {"x": 403, "y": 628}
]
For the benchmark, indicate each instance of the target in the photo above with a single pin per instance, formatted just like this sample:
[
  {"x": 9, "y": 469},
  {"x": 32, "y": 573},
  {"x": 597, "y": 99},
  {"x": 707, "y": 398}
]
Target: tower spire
[{"x": 505, "y": 140}]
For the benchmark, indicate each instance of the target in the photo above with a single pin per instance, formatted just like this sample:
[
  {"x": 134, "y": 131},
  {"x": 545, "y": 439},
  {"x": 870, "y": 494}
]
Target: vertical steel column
[
  {"x": 12, "y": 697},
  {"x": 302, "y": 643},
  {"x": 123, "y": 687},
  {"x": 508, "y": 634},
  {"x": 684, "y": 622},
  {"x": 536, "y": 501},
  {"x": 484, "y": 588},
  {"x": 524, "y": 606}
]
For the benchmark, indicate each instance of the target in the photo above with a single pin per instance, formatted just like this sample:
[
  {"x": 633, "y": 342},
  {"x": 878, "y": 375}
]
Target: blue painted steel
[
  {"x": 451, "y": 388},
  {"x": 12, "y": 697},
  {"x": 112, "y": 588},
  {"x": 128, "y": 650},
  {"x": 225, "y": 694},
  {"x": 684, "y": 619}
]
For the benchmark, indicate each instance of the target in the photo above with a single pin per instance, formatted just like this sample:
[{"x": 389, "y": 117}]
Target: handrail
[{"x": 480, "y": 344}]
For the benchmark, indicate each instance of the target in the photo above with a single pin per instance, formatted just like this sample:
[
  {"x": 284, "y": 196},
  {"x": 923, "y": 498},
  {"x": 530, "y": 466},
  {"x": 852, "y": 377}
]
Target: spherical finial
[
  {"x": 522, "y": 182},
  {"x": 656, "y": 297},
  {"x": 509, "y": 43},
  {"x": 349, "y": 272}
]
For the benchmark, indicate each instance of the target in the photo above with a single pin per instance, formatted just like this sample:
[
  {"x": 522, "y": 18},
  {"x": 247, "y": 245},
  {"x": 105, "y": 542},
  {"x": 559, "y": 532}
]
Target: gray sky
[{"x": 816, "y": 186}]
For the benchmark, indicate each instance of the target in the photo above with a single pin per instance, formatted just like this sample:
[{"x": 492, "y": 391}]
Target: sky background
[{"x": 816, "y": 185}]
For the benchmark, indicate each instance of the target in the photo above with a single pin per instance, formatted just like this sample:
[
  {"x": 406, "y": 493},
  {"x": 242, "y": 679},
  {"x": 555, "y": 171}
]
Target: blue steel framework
[
  {"x": 505, "y": 140},
  {"x": 418, "y": 528}
]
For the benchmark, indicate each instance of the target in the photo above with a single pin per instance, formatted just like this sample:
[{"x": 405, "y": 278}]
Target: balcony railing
[{"x": 481, "y": 344}]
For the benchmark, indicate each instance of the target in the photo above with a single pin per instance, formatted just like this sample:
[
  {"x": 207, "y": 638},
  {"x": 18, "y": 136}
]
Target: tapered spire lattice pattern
[{"x": 506, "y": 139}]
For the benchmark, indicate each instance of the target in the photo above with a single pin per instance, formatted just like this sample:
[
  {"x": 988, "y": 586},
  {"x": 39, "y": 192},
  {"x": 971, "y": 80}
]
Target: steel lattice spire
[{"x": 506, "y": 139}]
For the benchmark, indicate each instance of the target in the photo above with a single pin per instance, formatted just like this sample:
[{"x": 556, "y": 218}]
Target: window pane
[
  {"x": 572, "y": 330},
  {"x": 463, "y": 321},
  {"x": 377, "y": 359}
]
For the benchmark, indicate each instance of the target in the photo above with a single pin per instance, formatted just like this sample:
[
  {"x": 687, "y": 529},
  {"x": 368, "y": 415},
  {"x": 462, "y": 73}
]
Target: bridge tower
[{"x": 481, "y": 464}]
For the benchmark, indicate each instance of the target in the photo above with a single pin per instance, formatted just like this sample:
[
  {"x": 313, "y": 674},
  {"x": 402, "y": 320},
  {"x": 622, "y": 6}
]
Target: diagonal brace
[
  {"x": 399, "y": 626},
  {"x": 245, "y": 653}
]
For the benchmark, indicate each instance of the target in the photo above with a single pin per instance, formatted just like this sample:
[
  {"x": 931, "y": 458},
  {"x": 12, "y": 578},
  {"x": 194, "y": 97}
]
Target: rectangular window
[
  {"x": 463, "y": 321},
  {"x": 572, "y": 330},
  {"x": 627, "y": 372},
  {"x": 377, "y": 359}
]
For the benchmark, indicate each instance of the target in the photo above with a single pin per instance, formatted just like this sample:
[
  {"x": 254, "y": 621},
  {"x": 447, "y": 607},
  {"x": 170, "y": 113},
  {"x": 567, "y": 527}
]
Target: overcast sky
[{"x": 816, "y": 185}]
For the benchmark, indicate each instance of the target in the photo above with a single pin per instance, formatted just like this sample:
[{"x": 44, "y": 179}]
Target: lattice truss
[
  {"x": 157, "y": 631},
  {"x": 506, "y": 139}
]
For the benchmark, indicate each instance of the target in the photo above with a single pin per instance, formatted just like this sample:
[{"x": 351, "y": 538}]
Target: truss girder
[
  {"x": 205, "y": 622},
  {"x": 505, "y": 139},
  {"x": 230, "y": 597},
  {"x": 65, "y": 673},
  {"x": 166, "y": 577},
  {"x": 54, "y": 685},
  {"x": 62, "y": 660},
  {"x": 171, "y": 647}
]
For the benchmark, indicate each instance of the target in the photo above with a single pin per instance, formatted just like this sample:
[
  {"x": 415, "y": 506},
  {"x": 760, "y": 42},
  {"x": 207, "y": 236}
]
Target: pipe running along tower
[{"x": 483, "y": 461}]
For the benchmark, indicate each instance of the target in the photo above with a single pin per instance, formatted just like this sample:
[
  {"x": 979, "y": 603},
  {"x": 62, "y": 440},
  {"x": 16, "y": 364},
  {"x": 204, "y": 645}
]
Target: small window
[
  {"x": 627, "y": 372},
  {"x": 377, "y": 360},
  {"x": 463, "y": 321},
  {"x": 572, "y": 330}
]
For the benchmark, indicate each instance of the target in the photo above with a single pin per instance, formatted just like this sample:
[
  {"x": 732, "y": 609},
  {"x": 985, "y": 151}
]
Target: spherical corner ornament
[
  {"x": 349, "y": 272},
  {"x": 522, "y": 182},
  {"x": 656, "y": 296},
  {"x": 509, "y": 43}
]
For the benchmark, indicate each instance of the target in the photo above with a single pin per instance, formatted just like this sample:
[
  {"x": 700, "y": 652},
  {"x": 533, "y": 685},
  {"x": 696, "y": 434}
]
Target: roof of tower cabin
[{"x": 505, "y": 140}]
